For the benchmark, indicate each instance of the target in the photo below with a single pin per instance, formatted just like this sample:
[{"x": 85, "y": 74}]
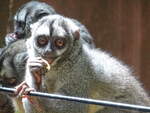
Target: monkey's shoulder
[
  {"x": 14, "y": 48},
  {"x": 107, "y": 68},
  {"x": 103, "y": 61}
]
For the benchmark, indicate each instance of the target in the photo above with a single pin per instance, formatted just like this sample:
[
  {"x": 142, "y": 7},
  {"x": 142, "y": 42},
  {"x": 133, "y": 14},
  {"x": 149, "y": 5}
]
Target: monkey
[
  {"x": 26, "y": 15},
  {"x": 13, "y": 57},
  {"x": 31, "y": 12},
  {"x": 75, "y": 70}
]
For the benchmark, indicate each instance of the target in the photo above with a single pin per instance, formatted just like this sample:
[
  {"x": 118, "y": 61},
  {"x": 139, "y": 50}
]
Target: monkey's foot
[{"x": 23, "y": 89}]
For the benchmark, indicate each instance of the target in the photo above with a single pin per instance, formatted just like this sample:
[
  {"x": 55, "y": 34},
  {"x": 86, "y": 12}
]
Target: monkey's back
[{"x": 114, "y": 81}]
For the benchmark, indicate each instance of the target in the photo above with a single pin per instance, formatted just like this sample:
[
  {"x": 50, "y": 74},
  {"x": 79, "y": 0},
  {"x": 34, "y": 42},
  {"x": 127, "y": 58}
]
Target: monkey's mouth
[
  {"x": 49, "y": 58},
  {"x": 48, "y": 62}
]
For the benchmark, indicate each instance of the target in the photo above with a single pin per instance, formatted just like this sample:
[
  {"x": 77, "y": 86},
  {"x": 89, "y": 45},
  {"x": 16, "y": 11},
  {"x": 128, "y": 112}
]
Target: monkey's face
[
  {"x": 50, "y": 47},
  {"x": 29, "y": 14},
  {"x": 53, "y": 37}
]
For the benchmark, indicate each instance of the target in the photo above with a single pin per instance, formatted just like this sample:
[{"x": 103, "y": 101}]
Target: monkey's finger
[
  {"x": 36, "y": 69},
  {"x": 27, "y": 90},
  {"x": 41, "y": 61},
  {"x": 35, "y": 64},
  {"x": 35, "y": 59},
  {"x": 22, "y": 91},
  {"x": 20, "y": 85}
]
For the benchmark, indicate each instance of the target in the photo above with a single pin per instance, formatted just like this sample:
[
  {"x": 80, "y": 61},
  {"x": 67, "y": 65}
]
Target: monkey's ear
[
  {"x": 76, "y": 34},
  {"x": 69, "y": 25}
]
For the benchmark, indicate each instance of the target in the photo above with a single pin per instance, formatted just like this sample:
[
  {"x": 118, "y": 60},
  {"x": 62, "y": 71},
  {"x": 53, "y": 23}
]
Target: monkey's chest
[{"x": 52, "y": 83}]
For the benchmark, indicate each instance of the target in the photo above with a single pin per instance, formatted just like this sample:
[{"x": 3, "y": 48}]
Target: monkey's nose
[
  {"x": 48, "y": 50},
  {"x": 47, "y": 54}
]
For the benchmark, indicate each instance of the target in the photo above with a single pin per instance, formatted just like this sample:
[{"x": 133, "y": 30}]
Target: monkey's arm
[{"x": 19, "y": 61}]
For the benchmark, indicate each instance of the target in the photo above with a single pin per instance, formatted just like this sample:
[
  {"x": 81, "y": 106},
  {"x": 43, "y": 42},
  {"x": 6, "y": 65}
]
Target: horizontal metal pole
[{"x": 84, "y": 100}]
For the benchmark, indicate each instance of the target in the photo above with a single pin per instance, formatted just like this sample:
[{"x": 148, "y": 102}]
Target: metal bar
[{"x": 84, "y": 100}]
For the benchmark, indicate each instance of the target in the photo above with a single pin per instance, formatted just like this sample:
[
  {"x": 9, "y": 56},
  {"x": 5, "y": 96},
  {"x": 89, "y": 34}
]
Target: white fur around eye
[
  {"x": 42, "y": 30},
  {"x": 59, "y": 52}
]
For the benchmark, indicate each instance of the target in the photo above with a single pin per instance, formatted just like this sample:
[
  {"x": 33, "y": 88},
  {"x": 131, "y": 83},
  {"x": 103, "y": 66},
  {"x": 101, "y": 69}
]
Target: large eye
[
  {"x": 60, "y": 43},
  {"x": 42, "y": 41}
]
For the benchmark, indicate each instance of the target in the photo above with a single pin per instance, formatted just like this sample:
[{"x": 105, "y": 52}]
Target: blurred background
[{"x": 120, "y": 27}]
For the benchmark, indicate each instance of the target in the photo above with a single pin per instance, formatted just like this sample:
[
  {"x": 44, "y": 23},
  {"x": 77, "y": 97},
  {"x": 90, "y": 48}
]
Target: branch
[{"x": 84, "y": 100}]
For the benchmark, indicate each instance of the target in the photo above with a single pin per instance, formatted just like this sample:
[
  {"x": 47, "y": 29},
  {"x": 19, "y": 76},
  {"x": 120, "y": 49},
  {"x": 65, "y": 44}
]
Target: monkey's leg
[{"x": 5, "y": 104}]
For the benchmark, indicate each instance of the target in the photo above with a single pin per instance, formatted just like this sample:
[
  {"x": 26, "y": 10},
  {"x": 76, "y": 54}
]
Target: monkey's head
[
  {"x": 54, "y": 37},
  {"x": 28, "y": 14}
]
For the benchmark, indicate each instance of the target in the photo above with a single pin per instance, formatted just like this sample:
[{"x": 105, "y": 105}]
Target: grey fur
[
  {"x": 12, "y": 60},
  {"x": 79, "y": 70},
  {"x": 26, "y": 15},
  {"x": 13, "y": 56}
]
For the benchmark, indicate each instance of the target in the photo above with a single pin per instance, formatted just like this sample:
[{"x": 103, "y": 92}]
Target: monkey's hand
[
  {"x": 38, "y": 67},
  {"x": 22, "y": 89}
]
